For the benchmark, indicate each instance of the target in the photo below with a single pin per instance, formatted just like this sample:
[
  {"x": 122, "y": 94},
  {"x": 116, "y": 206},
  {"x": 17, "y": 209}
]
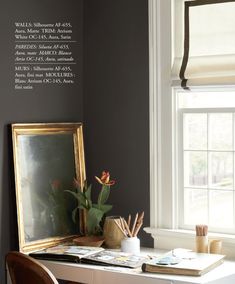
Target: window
[
  {"x": 192, "y": 134},
  {"x": 206, "y": 159}
]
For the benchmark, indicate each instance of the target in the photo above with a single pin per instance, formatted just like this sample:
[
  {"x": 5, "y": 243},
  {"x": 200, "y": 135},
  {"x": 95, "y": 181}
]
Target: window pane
[
  {"x": 221, "y": 208},
  {"x": 195, "y": 169},
  {"x": 221, "y": 170},
  {"x": 195, "y": 206},
  {"x": 195, "y": 131},
  {"x": 207, "y": 165},
  {"x": 221, "y": 131}
]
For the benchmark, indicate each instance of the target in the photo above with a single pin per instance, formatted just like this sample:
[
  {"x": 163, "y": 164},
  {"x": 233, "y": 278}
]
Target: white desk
[{"x": 91, "y": 274}]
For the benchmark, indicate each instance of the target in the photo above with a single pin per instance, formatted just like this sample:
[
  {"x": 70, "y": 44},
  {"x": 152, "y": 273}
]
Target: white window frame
[
  {"x": 180, "y": 155},
  {"x": 163, "y": 190}
]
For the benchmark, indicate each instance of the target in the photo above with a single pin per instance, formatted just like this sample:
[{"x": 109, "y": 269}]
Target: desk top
[{"x": 223, "y": 274}]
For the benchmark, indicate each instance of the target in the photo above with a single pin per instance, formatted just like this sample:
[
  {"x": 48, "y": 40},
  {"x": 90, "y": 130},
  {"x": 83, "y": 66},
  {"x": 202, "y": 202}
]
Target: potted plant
[{"x": 94, "y": 212}]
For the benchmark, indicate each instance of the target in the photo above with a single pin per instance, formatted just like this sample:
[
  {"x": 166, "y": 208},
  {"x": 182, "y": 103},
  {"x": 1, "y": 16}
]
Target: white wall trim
[
  {"x": 154, "y": 116},
  {"x": 170, "y": 239},
  {"x": 160, "y": 111}
]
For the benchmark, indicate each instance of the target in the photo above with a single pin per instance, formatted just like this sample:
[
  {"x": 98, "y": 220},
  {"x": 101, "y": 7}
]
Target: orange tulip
[{"x": 105, "y": 179}]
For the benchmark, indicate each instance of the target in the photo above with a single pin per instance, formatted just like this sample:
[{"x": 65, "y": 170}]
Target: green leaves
[
  {"x": 94, "y": 217},
  {"x": 104, "y": 195},
  {"x": 105, "y": 207},
  {"x": 83, "y": 197},
  {"x": 87, "y": 193},
  {"x": 74, "y": 214},
  {"x": 95, "y": 212}
]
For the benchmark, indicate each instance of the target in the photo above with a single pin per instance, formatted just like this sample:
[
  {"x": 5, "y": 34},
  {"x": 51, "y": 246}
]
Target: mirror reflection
[{"x": 45, "y": 166}]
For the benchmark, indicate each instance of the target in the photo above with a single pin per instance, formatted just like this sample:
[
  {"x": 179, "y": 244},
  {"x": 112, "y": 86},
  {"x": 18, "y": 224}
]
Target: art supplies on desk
[
  {"x": 183, "y": 262},
  {"x": 89, "y": 255},
  {"x": 130, "y": 243},
  {"x": 64, "y": 252},
  {"x": 202, "y": 243},
  {"x": 126, "y": 228},
  {"x": 115, "y": 258}
]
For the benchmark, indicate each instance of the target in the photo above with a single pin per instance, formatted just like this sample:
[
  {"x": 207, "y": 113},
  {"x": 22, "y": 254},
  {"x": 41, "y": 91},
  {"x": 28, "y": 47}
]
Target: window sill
[{"x": 172, "y": 238}]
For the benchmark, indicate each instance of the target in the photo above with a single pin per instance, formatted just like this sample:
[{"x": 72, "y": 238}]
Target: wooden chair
[{"x": 24, "y": 269}]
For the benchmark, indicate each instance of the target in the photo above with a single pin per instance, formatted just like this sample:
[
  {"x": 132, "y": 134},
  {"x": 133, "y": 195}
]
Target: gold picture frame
[{"x": 47, "y": 157}]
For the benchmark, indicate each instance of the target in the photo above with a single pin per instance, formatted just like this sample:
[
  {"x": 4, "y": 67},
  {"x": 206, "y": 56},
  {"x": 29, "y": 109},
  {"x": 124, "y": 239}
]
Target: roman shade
[{"x": 204, "y": 43}]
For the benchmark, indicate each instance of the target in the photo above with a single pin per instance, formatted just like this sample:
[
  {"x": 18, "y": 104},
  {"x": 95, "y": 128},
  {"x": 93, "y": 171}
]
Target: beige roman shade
[{"x": 204, "y": 43}]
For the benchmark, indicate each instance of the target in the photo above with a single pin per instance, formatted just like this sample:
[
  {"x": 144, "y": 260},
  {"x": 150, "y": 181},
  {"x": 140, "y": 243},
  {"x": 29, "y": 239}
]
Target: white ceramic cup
[{"x": 131, "y": 245}]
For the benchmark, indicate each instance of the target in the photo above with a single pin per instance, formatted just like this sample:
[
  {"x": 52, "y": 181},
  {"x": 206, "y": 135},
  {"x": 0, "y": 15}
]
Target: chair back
[{"x": 23, "y": 269}]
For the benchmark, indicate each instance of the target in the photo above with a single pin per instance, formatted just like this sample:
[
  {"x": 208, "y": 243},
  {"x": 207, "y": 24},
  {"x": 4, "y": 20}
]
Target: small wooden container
[
  {"x": 215, "y": 246},
  {"x": 201, "y": 243},
  {"x": 112, "y": 234}
]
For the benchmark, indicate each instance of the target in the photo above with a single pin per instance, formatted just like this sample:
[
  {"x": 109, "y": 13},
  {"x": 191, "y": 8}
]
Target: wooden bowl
[{"x": 90, "y": 241}]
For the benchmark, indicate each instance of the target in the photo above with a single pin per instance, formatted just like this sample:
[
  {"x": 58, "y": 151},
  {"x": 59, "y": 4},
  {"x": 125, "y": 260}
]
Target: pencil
[
  {"x": 122, "y": 224},
  {"x": 120, "y": 228},
  {"x": 129, "y": 220},
  {"x": 141, "y": 217},
  {"x": 137, "y": 229},
  {"x": 134, "y": 224},
  {"x": 127, "y": 228}
]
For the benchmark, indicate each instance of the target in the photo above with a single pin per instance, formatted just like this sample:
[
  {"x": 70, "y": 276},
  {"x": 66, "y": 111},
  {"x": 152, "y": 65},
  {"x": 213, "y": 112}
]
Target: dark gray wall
[
  {"x": 116, "y": 104},
  {"x": 44, "y": 104},
  {"x": 113, "y": 102}
]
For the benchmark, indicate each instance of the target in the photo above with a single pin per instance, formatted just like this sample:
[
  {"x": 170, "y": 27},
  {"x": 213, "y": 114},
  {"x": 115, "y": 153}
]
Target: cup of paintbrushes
[
  {"x": 131, "y": 243},
  {"x": 201, "y": 241}
]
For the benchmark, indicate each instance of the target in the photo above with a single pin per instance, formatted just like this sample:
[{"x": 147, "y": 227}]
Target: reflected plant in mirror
[
  {"x": 54, "y": 208},
  {"x": 95, "y": 212},
  {"x": 47, "y": 157}
]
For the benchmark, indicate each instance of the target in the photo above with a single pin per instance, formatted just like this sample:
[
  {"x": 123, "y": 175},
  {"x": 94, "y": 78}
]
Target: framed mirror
[{"x": 47, "y": 158}]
